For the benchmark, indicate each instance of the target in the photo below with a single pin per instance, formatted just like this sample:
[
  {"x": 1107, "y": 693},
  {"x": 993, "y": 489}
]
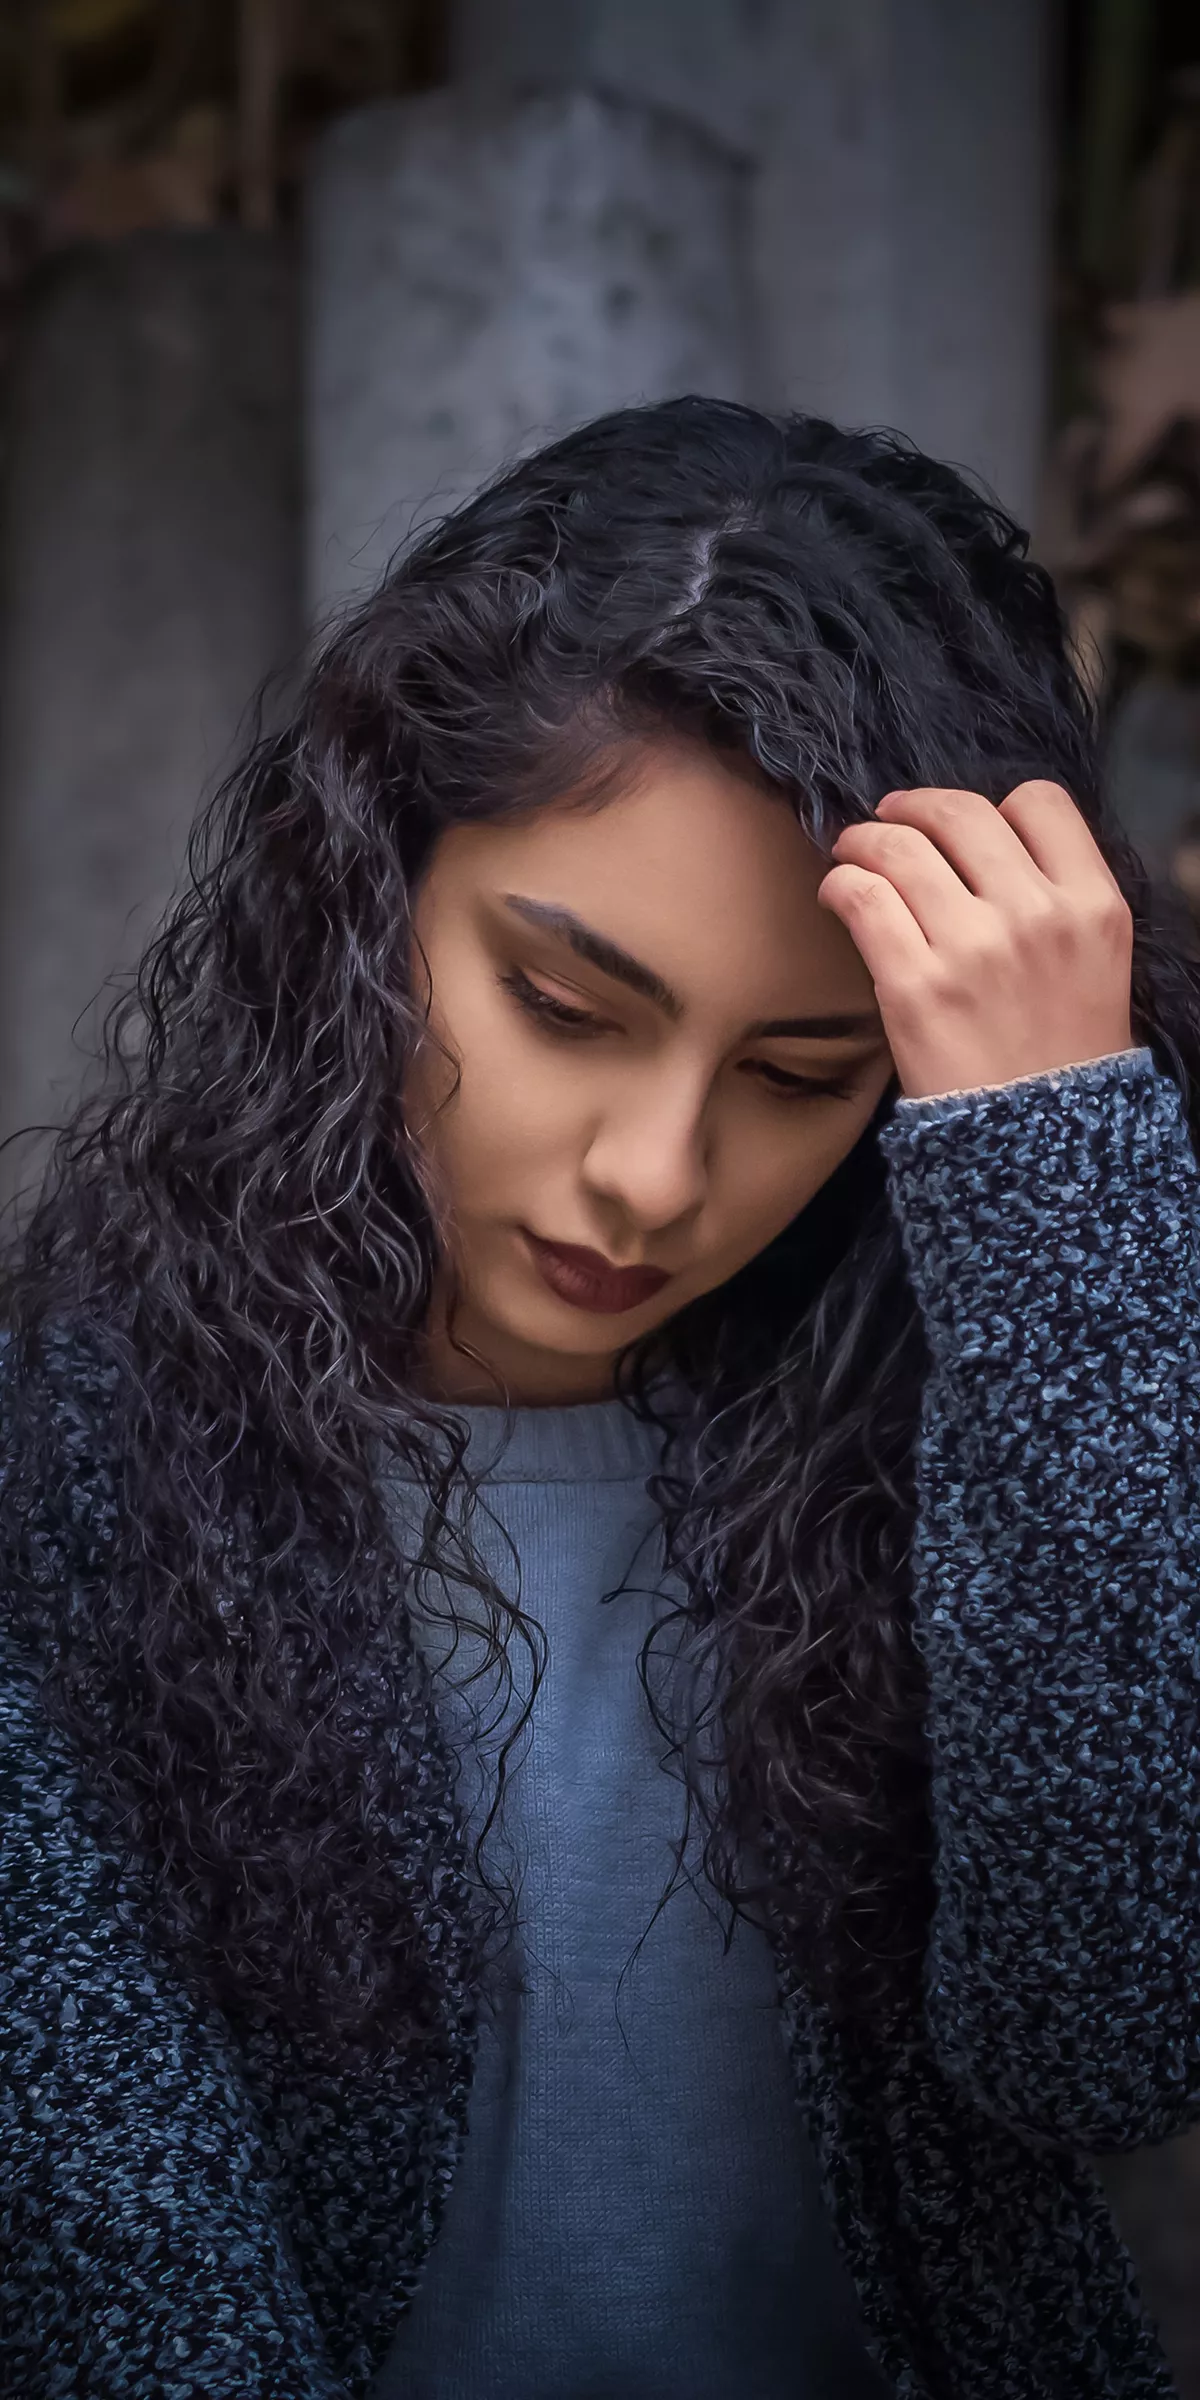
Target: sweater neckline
[{"x": 594, "y": 1441}]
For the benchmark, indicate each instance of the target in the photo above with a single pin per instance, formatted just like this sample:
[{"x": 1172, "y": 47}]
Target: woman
[{"x": 691, "y": 858}]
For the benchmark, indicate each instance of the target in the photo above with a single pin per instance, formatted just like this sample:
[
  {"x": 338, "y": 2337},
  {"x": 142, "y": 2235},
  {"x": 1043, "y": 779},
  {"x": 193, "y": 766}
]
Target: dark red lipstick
[{"x": 588, "y": 1280}]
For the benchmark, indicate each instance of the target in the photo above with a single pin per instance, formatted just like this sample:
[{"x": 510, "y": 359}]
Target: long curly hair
[{"x": 237, "y": 1234}]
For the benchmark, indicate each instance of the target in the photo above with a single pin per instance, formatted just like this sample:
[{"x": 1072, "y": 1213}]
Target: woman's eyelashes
[
  {"x": 540, "y": 1005},
  {"x": 579, "y": 1023},
  {"x": 802, "y": 1087}
]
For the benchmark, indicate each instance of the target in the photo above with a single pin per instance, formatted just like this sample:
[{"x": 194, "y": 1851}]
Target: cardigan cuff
[{"x": 1004, "y": 1192}]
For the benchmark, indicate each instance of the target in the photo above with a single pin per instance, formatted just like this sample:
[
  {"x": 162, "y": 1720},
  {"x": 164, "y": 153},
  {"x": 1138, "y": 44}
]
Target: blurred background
[{"x": 281, "y": 279}]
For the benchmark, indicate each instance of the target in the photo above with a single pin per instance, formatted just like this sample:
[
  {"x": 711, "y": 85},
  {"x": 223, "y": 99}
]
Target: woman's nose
[{"x": 652, "y": 1161}]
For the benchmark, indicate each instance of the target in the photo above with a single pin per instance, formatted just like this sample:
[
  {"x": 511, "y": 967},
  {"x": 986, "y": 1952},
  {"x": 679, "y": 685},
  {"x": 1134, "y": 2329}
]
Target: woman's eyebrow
[
  {"x": 588, "y": 943},
  {"x": 596, "y": 948}
]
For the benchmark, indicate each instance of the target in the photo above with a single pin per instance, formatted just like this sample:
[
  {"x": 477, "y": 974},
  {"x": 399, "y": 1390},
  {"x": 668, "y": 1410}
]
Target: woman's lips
[{"x": 586, "y": 1279}]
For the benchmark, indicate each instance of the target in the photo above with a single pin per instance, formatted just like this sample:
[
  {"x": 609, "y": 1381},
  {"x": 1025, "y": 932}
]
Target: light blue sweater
[{"x": 636, "y": 2211}]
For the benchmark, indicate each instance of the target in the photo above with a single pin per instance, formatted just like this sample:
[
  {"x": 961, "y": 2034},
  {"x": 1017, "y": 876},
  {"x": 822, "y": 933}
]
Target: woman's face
[{"x": 626, "y": 991}]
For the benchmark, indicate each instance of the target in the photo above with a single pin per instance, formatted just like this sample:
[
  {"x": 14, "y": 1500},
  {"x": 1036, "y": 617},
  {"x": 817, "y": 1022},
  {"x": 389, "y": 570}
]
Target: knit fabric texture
[
  {"x": 636, "y": 2209},
  {"x": 192, "y": 2216}
]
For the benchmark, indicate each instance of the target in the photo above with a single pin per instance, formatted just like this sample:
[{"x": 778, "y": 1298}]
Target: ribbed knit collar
[{"x": 598, "y": 1441}]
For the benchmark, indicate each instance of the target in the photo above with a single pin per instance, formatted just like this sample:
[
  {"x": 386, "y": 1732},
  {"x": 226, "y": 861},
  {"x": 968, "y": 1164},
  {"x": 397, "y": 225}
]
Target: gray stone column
[
  {"x": 483, "y": 274},
  {"x": 150, "y": 558},
  {"x": 901, "y": 224},
  {"x": 702, "y": 62},
  {"x": 897, "y": 205}
]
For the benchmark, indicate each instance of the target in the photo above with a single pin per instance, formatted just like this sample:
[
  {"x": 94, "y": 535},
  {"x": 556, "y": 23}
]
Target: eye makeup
[{"x": 574, "y": 1024}]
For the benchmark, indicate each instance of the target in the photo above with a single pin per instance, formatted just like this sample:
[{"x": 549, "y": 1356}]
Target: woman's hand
[{"x": 998, "y": 940}]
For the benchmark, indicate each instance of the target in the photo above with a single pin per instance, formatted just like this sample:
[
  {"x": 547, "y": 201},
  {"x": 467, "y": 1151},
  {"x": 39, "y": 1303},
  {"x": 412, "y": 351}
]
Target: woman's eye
[
  {"x": 538, "y": 1004},
  {"x": 547, "y": 1011},
  {"x": 803, "y": 1087}
]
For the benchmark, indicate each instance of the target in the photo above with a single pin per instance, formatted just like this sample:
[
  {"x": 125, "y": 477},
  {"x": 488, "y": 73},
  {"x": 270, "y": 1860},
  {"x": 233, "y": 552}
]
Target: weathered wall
[
  {"x": 484, "y": 274},
  {"x": 902, "y": 225},
  {"x": 150, "y": 578}
]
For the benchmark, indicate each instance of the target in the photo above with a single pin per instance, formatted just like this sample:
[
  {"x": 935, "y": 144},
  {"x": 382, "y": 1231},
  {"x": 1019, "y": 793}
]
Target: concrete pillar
[
  {"x": 1153, "y": 767},
  {"x": 898, "y": 202},
  {"x": 900, "y": 220},
  {"x": 150, "y": 559},
  {"x": 699, "y": 61},
  {"x": 484, "y": 274}
]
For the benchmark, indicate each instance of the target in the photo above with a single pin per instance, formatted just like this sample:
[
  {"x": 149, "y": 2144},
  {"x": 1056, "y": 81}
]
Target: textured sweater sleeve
[
  {"x": 1052, "y": 1233},
  {"x": 141, "y": 2255}
]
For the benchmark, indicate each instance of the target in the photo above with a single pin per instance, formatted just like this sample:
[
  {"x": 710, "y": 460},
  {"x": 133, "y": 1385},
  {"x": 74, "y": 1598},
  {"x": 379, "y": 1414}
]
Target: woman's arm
[
  {"x": 1052, "y": 1232},
  {"x": 142, "y": 2257}
]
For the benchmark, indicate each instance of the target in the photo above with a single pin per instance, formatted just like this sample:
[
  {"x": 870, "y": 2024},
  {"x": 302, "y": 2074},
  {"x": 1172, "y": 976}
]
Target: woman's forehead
[{"x": 704, "y": 880}]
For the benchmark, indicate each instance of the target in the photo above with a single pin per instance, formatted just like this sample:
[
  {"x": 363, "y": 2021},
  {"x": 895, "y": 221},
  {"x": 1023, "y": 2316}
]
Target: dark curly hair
[{"x": 236, "y": 1232}]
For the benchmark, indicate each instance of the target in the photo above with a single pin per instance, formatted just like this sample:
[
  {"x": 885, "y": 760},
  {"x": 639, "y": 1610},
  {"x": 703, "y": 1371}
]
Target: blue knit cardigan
[{"x": 187, "y": 2214}]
